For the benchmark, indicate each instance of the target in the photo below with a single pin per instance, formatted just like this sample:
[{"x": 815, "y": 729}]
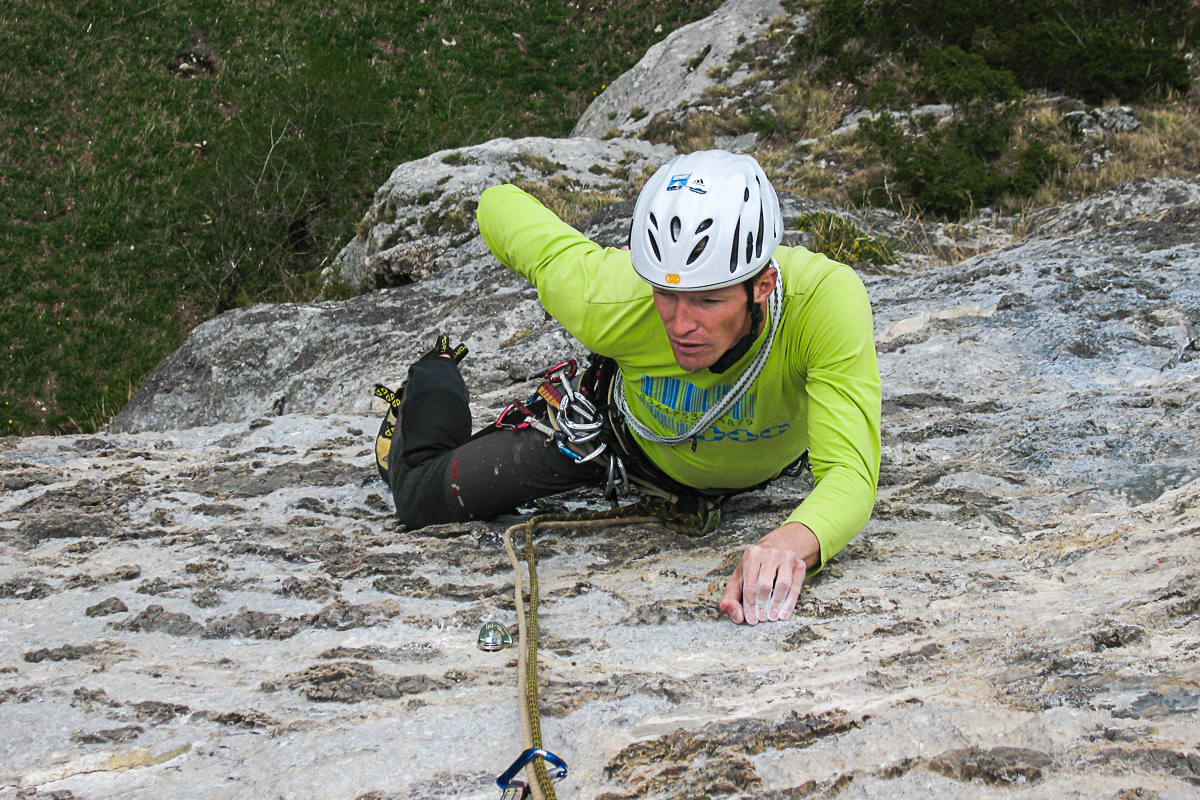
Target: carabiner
[
  {"x": 583, "y": 427},
  {"x": 585, "y": 406},
  {"x": 515, "y": 405},
  {"x": 576, "y": 437},
  {"x": 565, "y": 381},
  {"x": 566, "y": 451},
  {"x": 560, "y": 766},
  {"x": 592, "y": 454},
  {"x": 545, "y": 374},
  {"x": 570, "y": 366}
]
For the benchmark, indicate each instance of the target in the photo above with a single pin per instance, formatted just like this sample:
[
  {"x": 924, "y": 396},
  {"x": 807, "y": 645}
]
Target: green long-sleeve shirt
[{"x": 819, "y": 388}]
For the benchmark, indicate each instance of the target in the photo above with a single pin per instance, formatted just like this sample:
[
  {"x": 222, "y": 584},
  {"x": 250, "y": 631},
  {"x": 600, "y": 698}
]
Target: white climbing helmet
[{"x": 704, "y": 221}]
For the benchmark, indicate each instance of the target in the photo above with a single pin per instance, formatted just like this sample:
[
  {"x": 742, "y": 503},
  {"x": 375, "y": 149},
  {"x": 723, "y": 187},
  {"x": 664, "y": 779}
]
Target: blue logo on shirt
[
  {"x": 677, "y": 404},
  {"x": 678, "y": 182}
]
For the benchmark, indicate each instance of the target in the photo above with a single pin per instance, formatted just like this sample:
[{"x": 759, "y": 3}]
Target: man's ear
[{"x": 765, "y": 284}]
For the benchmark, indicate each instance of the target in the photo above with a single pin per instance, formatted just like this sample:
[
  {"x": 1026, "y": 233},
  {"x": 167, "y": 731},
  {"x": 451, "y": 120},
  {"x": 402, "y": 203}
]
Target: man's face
[{"x": 701, "y": 326}]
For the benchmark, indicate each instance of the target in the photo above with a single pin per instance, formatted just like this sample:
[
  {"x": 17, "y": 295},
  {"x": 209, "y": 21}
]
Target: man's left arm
[{"x": 835, "y": 338}]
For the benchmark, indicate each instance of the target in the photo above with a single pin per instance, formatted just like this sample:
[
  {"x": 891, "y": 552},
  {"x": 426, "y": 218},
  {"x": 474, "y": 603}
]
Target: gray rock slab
[
  {"x": 237, "y": 614},
  {"x": 974, "y": 639},
  {"x": 1129, "y": 201},
  {"x": 675, "y": 70},
  {"x": 274, "y": 359},
  {"x": 422, "y": 220}
]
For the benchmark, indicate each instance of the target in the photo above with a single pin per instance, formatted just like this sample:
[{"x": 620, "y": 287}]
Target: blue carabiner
[
  {"x": 569, "y": 453},
  {"x": 527, "y": 756}
]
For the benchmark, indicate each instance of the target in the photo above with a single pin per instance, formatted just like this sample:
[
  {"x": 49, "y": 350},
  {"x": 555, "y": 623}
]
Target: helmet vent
[
  {"x": 676, "y": 226},
  {"x": 761, "y": 215},
  {"x": 654, "y": 246},
  {"x": 704, "y": 226},
  {"x": 697, "y": 250},
  {"x": 653, "y": 221},
  {"x": 733, "y": 253},
  {"x": 749, "y": 246},
  {"x": 746, "y": 196}
]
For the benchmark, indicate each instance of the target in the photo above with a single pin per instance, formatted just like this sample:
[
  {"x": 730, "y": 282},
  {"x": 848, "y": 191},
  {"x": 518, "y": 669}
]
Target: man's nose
[{"x": 684, "y": 319}]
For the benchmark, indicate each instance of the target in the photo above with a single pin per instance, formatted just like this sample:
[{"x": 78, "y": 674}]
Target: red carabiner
[
  {"x": 570, "y": 364},
  {"x": 516, "y": 405}
]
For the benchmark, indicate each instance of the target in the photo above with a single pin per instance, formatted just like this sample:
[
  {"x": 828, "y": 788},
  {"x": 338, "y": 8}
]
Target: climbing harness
[
  {"x": 531, "y": 718},
  {"x": 720, "y": 408},
  {"x": 573, "y": 422},
  {"x": 591, "y": 393}
]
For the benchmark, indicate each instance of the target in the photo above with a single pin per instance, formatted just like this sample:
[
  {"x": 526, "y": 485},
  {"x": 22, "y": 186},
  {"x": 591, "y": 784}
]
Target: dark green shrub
[
  {"x": 963, "y": 79},
  {"x": 1095, "y": 50},
  {"x": 952, "y": 169}
]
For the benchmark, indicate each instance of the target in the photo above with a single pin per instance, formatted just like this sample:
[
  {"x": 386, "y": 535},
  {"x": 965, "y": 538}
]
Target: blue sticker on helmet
[{"x": 678, "y": 182}]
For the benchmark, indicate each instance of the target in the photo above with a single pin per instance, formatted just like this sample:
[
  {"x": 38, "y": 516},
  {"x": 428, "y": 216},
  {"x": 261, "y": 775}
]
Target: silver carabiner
[
  {"x": 580, "y": 433},
  {"x": 566, "y": 385},
  {"x": 585, "y": 406},
  {"x": 582, "y": 426},
  {"x": 593, "y": 454}
]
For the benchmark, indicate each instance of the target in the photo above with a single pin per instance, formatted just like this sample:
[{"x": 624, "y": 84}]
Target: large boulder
[
  {"x": 424, "y": 215},
  {"x": 676, "y": 70}
]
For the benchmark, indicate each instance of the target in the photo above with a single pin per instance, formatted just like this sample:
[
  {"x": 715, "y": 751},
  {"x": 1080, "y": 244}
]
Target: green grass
[
  {"x": 138, "y": 203},
  {"x": 842, "y": 240}
]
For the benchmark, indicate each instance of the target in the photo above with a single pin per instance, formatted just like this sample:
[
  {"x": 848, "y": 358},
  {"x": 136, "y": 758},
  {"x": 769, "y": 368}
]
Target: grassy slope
[{"x": 129, "y": 191}]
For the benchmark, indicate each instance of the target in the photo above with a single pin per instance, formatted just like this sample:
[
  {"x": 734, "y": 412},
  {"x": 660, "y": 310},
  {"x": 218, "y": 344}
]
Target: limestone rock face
[
  {"x": 423, "y": 216},
  {"x": 212, "y": 597},
  {"x": 1134, "y": 200},
  {"x": 1021, "y": 615},
  {"x": 675, "y": 70}
]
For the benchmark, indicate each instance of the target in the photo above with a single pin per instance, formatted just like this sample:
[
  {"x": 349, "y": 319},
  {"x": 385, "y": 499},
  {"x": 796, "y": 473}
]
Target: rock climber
[{"x": 725, "y": 360}]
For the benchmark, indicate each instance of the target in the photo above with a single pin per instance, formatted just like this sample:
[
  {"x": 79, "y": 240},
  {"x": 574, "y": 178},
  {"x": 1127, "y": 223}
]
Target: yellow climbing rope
[{"x": 531, "y": 718}]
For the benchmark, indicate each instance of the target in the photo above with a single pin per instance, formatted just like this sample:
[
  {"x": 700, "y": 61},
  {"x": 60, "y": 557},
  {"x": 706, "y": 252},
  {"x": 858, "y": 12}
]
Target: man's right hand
[{"x": 766, "y": 583}]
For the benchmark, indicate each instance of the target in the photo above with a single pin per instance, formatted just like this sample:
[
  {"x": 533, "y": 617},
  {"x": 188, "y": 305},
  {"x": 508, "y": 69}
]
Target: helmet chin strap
[{"x": 742, "y": 346}]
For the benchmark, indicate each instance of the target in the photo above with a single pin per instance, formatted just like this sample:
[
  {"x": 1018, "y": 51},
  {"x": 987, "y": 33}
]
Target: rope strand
[{"x": 531, "y": 717}]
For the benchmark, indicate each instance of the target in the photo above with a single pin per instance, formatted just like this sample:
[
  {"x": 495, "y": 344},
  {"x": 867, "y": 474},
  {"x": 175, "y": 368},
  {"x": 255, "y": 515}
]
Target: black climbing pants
[{"x": 440, "y": 473}]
